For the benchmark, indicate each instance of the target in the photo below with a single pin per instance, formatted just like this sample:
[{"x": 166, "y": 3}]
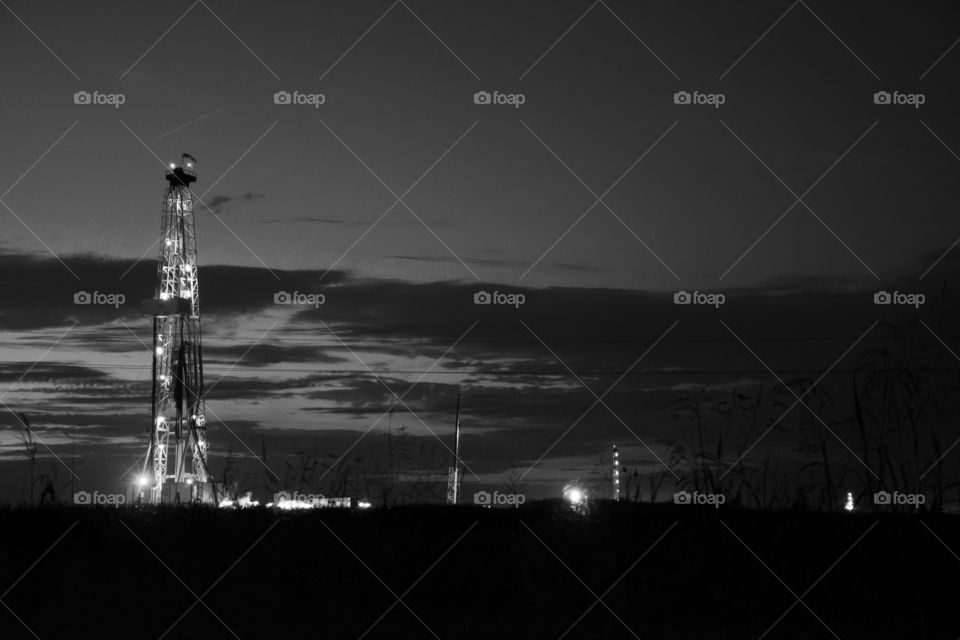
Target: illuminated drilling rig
[{"x": 175, "y": 469}]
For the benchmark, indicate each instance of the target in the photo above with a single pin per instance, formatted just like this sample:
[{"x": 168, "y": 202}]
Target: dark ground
[{"x": 334, "y": 574}]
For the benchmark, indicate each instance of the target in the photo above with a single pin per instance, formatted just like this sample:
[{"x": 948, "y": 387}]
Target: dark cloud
[
  {"x": 496, "y": 262},
  {"x": 259, "y": 355},
  {"x": 40, "y": 372},
  {"x": 316, "y": 220},
  {"x": 218, "y": 203},
  {"x": 525, "y": 374}
]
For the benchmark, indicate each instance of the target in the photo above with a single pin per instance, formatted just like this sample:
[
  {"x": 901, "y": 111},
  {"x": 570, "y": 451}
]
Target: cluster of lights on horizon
[
  {"x": 577, "y": 496},
  {"x": 293, "y": 504}
]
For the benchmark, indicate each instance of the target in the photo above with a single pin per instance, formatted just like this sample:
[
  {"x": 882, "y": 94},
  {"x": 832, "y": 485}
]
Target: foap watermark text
[
  {"x": 699, "y": 297},
  {"x": 699, "y": 498},
  {"x": 897, "y": 499},
  {"x": 498, "y": 499},
  {"x": 296, "y": 496},
  {"x": 897, "y": 98},
  {"x": 98, "y": 98},
  {"x": 299, "y": 298},
  {"x": 85, "y": 297},
  {"x": 97, "y": 499},
  {"x": 499, "y": 297},
  {"x": 898, "y": 297},
  {"x": 698, "y": 98},
  {"x": 511, "y": 99},
  {"x": 299, "y": 98}
]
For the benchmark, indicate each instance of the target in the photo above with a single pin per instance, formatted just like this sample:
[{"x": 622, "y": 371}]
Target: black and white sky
[{"x": 399, "y": 197}]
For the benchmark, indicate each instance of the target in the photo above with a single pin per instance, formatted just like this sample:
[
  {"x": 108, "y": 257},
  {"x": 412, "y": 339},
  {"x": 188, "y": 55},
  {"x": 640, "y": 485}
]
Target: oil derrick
[{"x": 175, "y": 469}]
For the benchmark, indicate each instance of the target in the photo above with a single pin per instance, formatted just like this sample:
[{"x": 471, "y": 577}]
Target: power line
[
  {"x": 559, "y": 372},
  {"x": 429, "y": 341}
]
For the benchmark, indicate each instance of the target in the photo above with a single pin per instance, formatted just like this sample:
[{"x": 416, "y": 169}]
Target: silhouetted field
[{"x": 476, "y": 573}]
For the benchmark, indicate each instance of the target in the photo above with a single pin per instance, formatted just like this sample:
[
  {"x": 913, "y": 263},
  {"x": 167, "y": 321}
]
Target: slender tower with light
[
  {"x": 175, "y": 469},
  {"x": 615, "y": 476},
  {"x": 453, "y": 475}
]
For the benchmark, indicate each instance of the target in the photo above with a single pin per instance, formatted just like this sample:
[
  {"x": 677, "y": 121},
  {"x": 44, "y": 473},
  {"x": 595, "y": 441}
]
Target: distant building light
[{"x": 243, "y": 502}]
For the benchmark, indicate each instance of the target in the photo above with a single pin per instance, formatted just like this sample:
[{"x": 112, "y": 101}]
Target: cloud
[
  {"x": 316, "y": 220},
  {"x": 218, "y": 203},
  {"x": 259, "y": 355},
  {"x": 496, "y": 262},
  {"x": 322, "y": 375}
]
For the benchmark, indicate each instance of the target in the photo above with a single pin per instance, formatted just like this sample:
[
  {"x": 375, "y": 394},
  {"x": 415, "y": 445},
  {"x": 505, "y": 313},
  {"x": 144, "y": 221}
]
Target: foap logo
[
  {"x": 95, "y": 97},
  {"x": 699, "y": 297},
  {"x": 298, "y": 298},
  {"x": 904, "y": 99},
  {"x": 886, "y": 498},
  {"x": 499, "y": 297},
  {"x": 84, "y": 297},
  {"x": 97, "y": 499},
  {"x": 698, "y": 498},
  {"x": 898, "y": 297},
  {"x": 497, "y": 499},
  {"x": 282, "y": 497},
  {"x": 512, "y": 99},
  {"x": 711, "y": 99},
  {"x": 297, "y": 98}
]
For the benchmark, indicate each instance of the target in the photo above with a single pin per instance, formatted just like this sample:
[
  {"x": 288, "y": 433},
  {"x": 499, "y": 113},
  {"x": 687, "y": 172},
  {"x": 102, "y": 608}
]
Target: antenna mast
[
  {"x": 615, "y": 477},
  {"x": 453, "y": 476}
]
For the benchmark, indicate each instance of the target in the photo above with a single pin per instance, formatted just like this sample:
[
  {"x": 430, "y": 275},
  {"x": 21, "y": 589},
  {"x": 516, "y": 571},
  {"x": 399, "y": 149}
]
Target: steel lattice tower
[{"x": 177, "y": 422}]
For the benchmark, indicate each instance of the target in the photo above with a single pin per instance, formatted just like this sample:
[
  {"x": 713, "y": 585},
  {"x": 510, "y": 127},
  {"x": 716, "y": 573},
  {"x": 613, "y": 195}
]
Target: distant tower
[
  {"x": 177, "y": 422},
  {"x": 615, "y": 476},
  {"x": 453, "y": 475}
]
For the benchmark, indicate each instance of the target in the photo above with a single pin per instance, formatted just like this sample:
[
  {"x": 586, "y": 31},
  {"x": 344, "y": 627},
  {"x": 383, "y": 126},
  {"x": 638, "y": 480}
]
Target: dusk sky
[{"x": 398, "y": 198}]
